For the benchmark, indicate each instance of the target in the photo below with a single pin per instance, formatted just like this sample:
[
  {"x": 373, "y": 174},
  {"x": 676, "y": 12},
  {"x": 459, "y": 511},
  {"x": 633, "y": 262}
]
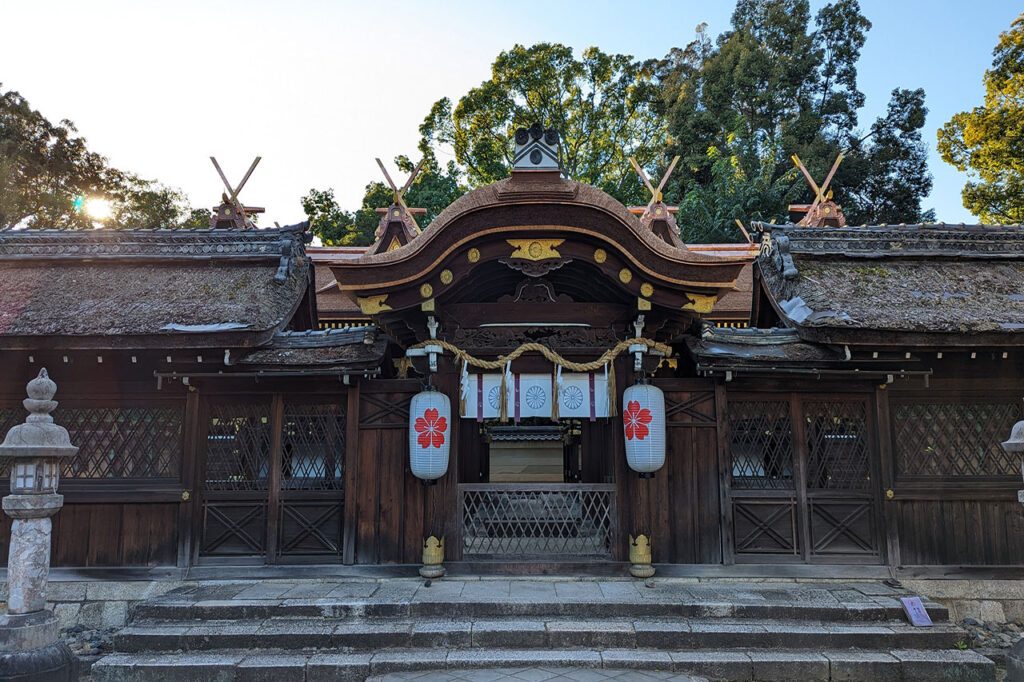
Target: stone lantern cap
[
  {"x": 38, "y": 436},
  {"x": 1016, "y": 442}
]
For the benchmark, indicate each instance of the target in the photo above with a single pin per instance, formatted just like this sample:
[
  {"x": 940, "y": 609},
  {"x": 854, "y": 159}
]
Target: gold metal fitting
[
  {"x": 433, "y": 551},
  {"x": 639, "y": 550}
]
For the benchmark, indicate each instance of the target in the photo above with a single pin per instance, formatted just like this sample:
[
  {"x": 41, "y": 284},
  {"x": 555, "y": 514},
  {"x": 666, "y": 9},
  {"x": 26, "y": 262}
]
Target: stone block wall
[
  {"x": 106, "y": 604},
  {"x": 98, "y": 604},
  {"x": 984, "y": 600}
]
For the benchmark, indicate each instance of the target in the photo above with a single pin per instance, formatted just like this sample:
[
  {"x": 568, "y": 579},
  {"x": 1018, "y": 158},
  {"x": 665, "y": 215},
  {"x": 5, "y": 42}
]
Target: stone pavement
[
  {"x": 535, "y": 629},
  {"x": 509, "y": 596},
  {"x": 535, "y": 675}
]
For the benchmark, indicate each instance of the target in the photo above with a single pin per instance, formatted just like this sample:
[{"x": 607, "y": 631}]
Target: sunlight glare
[{"x": 98, "y": 208}]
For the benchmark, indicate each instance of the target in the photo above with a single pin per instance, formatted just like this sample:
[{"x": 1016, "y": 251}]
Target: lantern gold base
[
  {"x": 433, "y": 558},
  {"x": 640, "y": 557},
  {"x": 641, "y": 570}
]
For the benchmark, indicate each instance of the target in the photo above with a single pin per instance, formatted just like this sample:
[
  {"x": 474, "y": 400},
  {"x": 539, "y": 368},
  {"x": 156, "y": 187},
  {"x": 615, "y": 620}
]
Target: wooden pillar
[
  {"x": 446, "y": 516},
  {"x": 886, "y": 479},
  {"x": 796, "y": 416},
  {"x": 724, "y": 474},
  {"x": 274, "y": 478},
  {"x": 351, "y": 473},
  {"x": 193, "y": 430}
]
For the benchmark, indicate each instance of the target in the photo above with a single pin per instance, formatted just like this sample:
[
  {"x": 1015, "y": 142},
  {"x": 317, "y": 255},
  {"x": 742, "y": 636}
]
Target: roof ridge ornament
[
  {"x": 656, "y": 216},
  {"x": 537, "y": 149},
  {"x": 398, "y": 214},
  {"x": 822, "y": 212},
  {"x": 231, "y": 212}
]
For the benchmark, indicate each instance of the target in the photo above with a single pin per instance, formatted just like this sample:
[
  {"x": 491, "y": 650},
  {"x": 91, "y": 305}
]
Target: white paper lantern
[
  {"x": 430, "y": 418},
  {"x": 643, "y": 421}
]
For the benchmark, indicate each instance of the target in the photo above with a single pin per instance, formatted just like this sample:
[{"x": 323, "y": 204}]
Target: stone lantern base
[
  {"x": 1015, "y": 663},
  {"x": 31, "y": 650}
]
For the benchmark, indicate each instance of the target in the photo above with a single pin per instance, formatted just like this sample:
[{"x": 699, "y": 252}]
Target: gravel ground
[
  {"x": 88, "y": 646},
  {"x": 991, "y": 635}
]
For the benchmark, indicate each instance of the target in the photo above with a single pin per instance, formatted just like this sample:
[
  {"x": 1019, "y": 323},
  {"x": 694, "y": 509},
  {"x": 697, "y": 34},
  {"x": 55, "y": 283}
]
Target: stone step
[
  {"x": 681, "y": 634},
  {"x": 178, "y": 609},
  {"x": 776, "y": 664}
]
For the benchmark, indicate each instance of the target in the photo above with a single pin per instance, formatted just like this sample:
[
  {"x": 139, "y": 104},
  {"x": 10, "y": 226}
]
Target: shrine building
[{"x": 543, "y": 378}]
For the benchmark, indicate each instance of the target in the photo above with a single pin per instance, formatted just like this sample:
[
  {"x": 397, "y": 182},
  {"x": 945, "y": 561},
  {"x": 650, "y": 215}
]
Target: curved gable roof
[{"x": 582, "y": 219}]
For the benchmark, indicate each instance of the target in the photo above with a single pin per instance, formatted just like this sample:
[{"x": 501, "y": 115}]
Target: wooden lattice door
[
  {"x": 272, "y": 480},
  {"x": 803, "y": 479}
]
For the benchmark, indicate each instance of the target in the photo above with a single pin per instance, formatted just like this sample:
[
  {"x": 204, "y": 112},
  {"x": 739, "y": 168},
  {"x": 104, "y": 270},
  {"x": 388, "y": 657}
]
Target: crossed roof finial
[
  {"x": 231, "y": 212},
  {"x": 399, "y": 194},
  {"x": 822, "y": 211},
  {"x": 397, "y": 226},
  {"x": 656, "y": 215},
  {"x": 655, "y": 193}
]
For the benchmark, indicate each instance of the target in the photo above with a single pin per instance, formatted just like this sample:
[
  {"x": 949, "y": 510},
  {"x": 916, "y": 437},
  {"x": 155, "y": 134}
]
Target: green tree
[
  {"x": 327, "y": 220},
  {"x": 46, "y": 170},
  {"x": 605, "y": 106},
  {"x": 779, "y": 81},
  {"x": 433, "y": 190},
  {"x": 988, "y": 141},
  {"x": 708, "y": 212},
  {"x": 43, "y": 167}
]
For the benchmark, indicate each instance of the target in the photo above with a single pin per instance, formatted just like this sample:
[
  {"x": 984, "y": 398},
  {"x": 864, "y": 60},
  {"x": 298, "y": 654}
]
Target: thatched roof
[
  {"x": 933, "y": 280},
  {"x": 198, "y": 286}
]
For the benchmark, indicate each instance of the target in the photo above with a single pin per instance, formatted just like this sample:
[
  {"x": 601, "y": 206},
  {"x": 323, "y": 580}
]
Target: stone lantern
[
  {"x": 1015, "y": 659},
  {"x": 30, "y": 647},
  {"x": 1016, "y": 444}
]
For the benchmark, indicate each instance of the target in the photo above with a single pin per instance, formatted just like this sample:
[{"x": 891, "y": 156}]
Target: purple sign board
[{"x": 916, "y": 612}]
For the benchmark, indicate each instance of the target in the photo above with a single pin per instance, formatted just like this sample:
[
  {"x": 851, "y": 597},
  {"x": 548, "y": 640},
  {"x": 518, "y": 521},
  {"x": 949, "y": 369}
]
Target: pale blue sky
[{"x": 319, "y": 88}]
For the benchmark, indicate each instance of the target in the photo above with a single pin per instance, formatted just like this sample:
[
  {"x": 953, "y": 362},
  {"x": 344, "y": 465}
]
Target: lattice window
[
  {"x": 537, "y": 521},
  {"x": 9, "y": 417},
  {"x": 954, "y": 439},
  {"x": 761, "y": 444},
  {"x": 313, "y": 447},
  {"x": 837, "y": 445},
  {"x": 123, "y": 442},
  {"x": 238, "y": 447}
]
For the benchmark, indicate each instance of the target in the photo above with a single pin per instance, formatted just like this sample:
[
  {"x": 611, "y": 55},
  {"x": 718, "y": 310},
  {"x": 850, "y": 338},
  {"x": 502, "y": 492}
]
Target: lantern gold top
[{"x": 38, "y": 436}]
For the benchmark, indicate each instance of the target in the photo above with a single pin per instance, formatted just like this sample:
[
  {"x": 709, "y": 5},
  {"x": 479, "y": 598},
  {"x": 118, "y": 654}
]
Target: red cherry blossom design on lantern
[
  {"x": 636, "y": 420},
  {"x": 431, "y": 428}
]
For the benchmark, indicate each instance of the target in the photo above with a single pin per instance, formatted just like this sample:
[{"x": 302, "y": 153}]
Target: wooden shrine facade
[{"x": 857, "y": 420}]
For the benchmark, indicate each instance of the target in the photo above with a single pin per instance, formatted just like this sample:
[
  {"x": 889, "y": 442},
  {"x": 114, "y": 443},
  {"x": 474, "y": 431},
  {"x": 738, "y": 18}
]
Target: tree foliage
[
  {"x": 46, "y": 170},
  {"x": 988, "y": 141},
  {"x": 433, "y": 189},
  {"x": 779, "y": 83},
  {"x": 604, "y": 105},
  {"x": 708, "y": 212}
]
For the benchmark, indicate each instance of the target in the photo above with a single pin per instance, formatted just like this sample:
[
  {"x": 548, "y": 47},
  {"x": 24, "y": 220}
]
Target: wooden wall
[
  {"x": 680, "y": 507},
  {"x": 111, "y": 515},
  {"x": 960, "y": 532},
  {"x": 389, "y": 504},
  {"x": 959, "y": 507},
  {"x": 928, "y": 520}
]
